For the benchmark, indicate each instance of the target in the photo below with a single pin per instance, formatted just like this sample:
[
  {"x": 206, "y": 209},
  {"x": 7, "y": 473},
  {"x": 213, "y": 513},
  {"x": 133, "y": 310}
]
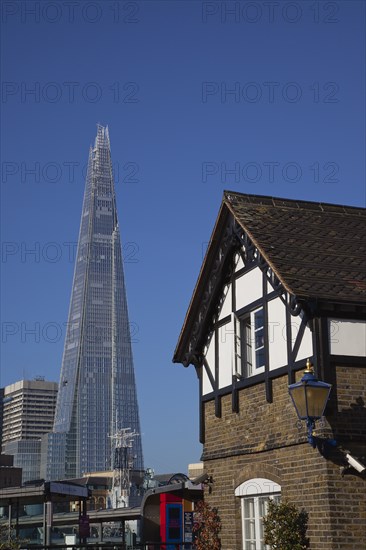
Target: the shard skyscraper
[{"x": 97, "y": 391}]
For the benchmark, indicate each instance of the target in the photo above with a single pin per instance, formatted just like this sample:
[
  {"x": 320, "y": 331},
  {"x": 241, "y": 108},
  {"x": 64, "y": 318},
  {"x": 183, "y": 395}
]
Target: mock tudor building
[{"x": 283, "y": 281}]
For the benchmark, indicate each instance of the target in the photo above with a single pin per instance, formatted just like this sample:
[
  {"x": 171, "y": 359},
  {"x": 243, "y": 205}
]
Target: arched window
[{"x": 254, "y": 495}]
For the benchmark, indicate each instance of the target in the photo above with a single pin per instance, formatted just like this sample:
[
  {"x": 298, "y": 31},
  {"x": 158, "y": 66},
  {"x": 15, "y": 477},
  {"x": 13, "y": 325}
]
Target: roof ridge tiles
[{"x": 278, "y": 202}]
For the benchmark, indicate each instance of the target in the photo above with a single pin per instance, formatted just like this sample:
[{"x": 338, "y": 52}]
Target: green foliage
[
  {"x": 206, "y": 527},
  {"x": 285, "y": 527},
  {"x": 5, "y": 543}
]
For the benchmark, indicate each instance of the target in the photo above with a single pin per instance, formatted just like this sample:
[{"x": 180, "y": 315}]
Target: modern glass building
[{"x": 97, "y": 391}]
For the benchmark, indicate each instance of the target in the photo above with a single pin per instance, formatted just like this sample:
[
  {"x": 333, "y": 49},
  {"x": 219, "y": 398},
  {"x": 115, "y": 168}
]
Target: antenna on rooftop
[{"x": 123, "y": 460}]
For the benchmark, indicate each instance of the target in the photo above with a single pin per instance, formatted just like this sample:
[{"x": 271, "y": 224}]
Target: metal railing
[{"x": 111, "y": 546}]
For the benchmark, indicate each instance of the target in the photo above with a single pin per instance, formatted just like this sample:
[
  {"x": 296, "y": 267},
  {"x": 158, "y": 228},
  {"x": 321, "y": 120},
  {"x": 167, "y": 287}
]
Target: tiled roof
[{"x": 317, "y": 250}]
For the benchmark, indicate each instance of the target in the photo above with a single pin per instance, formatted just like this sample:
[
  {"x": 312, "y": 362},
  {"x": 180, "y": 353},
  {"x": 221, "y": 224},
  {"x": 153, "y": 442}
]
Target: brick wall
[{"x": 266, "y": 440}]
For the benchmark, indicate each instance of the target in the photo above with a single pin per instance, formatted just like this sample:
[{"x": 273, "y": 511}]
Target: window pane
[
  {"x": 248, "y": 347},
  {"x": 249, "y": 523},
  {"x": 249, "y": 529},
  {"x": 258, "y": 321},
  {"x": 254, "y": 509},
  {"x": 263, "y": 505},
  {"x": 259, "y": 338},
  {"x": 252, "y": 341},
  {"x": 249, "y": 507},
  {"x": 259, "y": 358},
  {"x": 259, "y": 318}
]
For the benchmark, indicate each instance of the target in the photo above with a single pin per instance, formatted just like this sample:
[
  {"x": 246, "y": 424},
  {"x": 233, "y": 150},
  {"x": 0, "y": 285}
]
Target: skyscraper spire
[{"x": 97, "y": 392}]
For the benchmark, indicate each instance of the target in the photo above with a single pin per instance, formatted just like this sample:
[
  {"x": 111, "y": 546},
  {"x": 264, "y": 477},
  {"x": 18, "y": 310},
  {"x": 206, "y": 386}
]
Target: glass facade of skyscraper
[{"x": 97, "y": 391}]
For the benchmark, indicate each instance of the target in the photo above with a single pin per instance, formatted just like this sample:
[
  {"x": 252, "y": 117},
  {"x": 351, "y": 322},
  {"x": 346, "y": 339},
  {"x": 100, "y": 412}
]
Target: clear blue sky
[{"x": 265, "y": 99}]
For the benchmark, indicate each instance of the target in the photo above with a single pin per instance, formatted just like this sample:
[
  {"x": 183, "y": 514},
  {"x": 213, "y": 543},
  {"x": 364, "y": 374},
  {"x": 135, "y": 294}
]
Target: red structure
[{"x": 171, "y": 520}]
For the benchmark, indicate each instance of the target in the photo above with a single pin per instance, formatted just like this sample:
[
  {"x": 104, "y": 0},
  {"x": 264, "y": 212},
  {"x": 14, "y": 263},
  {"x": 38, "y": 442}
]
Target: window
[
  {"x": 173, "y": 530},
  {"x": 249, "y": 344},
  {"x": 254, "y": 495}
]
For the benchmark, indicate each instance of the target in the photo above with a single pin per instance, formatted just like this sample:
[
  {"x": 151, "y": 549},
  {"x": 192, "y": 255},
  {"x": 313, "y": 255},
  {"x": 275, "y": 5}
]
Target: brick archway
[{"x": 258, "y": 470}]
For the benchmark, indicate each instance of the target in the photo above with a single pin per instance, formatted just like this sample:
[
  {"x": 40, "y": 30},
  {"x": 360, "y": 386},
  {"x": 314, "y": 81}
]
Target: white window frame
[
  {"x": 246, "y": 346},
  {"x": 257, "y": 490}
]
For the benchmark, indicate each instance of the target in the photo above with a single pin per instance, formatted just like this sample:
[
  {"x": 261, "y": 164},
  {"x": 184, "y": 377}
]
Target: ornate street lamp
[{"x": 310, "y": 397}]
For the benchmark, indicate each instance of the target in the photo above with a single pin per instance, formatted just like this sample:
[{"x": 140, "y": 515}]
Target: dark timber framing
[
  {"x": 229, "y": 238},
  {"x": 206, "y": 326}
]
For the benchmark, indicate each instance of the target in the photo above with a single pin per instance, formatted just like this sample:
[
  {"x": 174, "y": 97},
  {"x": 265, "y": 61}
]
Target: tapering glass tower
[{"x": 97, "y": 391}]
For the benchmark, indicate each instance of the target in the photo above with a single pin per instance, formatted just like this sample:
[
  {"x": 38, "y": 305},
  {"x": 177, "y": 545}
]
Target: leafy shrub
[
  {"x": 285, "y": 527},
  {"x": 206, "y": 527},
  {"x": 5, "y": 543}
]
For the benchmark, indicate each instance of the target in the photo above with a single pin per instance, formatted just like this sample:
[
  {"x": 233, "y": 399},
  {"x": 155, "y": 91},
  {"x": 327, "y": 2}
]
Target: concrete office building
[{"x": 28, "y": 410}]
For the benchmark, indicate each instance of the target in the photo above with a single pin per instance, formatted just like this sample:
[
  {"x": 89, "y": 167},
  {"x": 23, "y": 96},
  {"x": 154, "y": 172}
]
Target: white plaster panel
[
  {"x": 347, "y": 337},
  {"x": 248, "y": 288},
  {"x": 226, "y": 306},
  {"x": 210, "y": 358},
  {"x": 240, "y": 263},
  {"x": 306, "y": 346},
  {"x": 226, "y": 339},
  {"x": 206, "y": 384},
  {"x": 277, "y": 334},
  {"x": 270, "y": 288}
]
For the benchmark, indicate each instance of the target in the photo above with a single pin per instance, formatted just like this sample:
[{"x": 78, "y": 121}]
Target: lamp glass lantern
[{"x": 310, "y": 397}]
